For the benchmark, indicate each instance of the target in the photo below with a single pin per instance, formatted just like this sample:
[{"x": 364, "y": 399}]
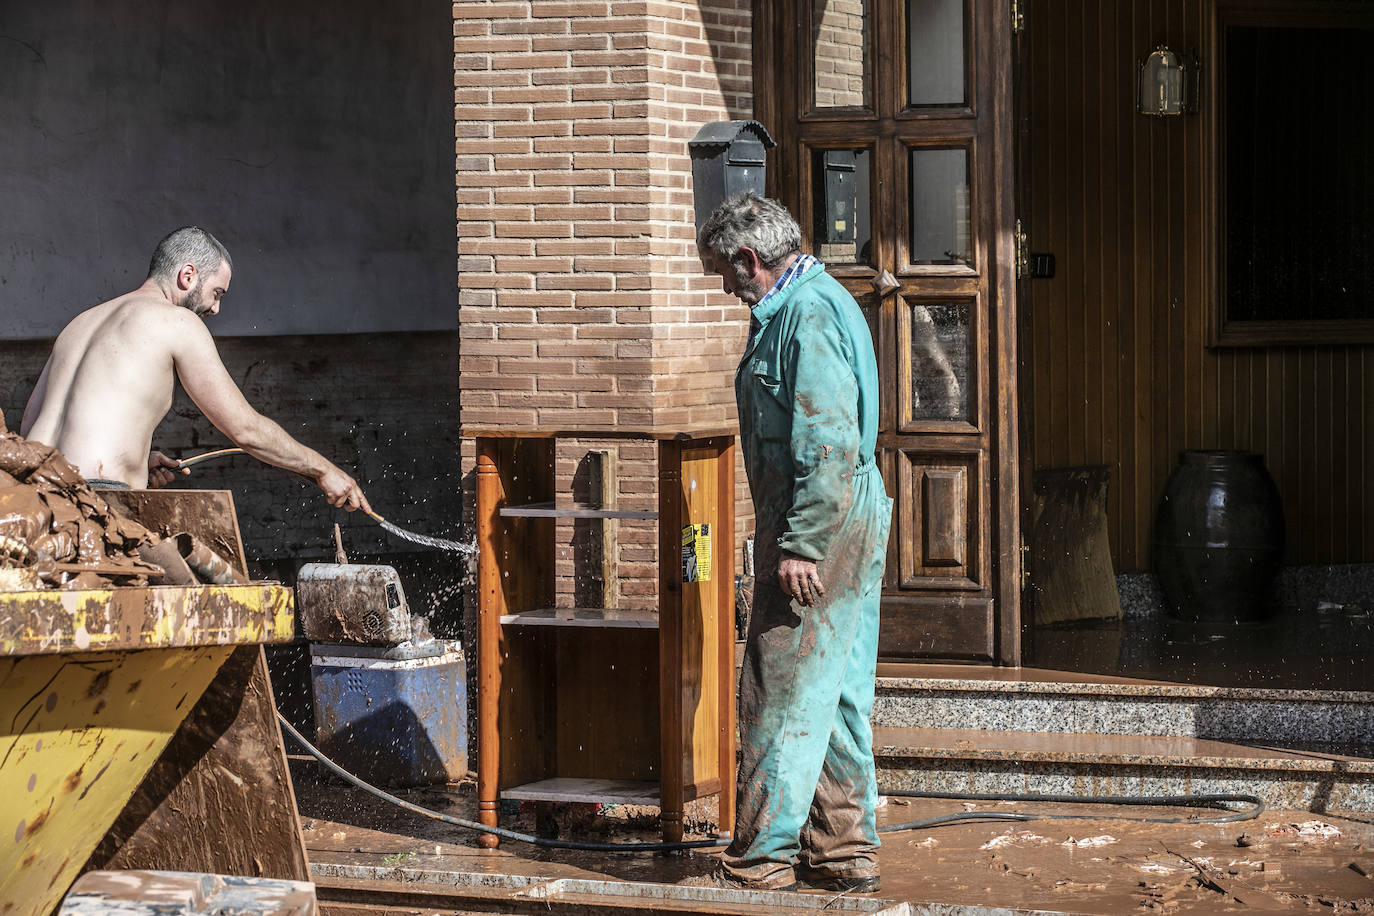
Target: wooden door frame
[{"x": 774, "y": 41}]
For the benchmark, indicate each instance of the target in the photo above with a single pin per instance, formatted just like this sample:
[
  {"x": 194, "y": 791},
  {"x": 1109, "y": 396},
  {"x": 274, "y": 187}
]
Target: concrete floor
[{"x": 1283, "y": 861}]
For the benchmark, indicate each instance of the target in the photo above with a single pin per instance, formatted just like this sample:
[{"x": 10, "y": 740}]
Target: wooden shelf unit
[{"x": 604, "y": 705}]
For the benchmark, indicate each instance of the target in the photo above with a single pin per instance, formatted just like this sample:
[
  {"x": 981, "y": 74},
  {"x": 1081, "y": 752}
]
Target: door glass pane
[
  {"x": 840, "y": 54},
  {"x": 939, "y": 345},
  {"x": 935, "y": 52},
  {"x": 842, "y": 223},
  {"x": 940, "y": 217}
]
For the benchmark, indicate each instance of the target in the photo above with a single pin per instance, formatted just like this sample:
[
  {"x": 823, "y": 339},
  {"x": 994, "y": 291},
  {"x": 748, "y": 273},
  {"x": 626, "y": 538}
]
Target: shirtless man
[{"x": 111, "y": 376}]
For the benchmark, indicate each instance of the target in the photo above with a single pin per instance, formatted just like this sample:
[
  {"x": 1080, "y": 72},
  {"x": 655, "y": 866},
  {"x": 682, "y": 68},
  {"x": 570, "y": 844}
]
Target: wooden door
[{"x": 894, "y": 125}]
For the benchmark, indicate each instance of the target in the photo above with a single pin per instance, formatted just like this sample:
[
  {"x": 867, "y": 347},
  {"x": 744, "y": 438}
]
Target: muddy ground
[{"x": 1281, "y": 862}]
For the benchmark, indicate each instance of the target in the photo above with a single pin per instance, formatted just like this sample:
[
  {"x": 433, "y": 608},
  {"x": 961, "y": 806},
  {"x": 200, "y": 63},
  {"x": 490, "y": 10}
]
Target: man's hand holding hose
[{"x": 341, "y": 490}]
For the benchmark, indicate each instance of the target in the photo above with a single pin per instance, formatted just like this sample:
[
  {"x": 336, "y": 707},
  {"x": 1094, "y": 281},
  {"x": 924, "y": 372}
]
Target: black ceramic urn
[{"x": 1218, "y": 538}]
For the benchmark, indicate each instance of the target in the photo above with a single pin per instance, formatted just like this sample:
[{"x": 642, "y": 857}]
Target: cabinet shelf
[
  {"x": 606, "y": 705},
  {"x": 549, "y": 510},
  {"x": 597, "y": 791},
  {"x": 582, "y": 617}
]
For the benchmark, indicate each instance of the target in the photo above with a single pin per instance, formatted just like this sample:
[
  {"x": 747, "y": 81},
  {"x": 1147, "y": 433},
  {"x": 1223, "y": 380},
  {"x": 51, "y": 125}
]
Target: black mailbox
[
  {"x": 840, "y": 196},
  {"x": 728, "y": 158}
]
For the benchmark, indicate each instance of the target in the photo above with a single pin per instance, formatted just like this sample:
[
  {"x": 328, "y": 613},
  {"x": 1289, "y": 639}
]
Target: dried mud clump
[{"x": 55, "y": 531}]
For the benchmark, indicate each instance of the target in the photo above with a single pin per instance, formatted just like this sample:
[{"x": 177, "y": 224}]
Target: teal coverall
[{"x": 807, "y": 390}]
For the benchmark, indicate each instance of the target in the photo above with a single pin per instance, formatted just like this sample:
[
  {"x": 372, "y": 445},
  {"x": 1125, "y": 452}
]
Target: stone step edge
[
  {"x": 1111, "y": 750},
  {"x": 1117, "y": 691}
]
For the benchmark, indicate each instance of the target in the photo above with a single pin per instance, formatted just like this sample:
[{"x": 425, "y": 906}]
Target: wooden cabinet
[{"x": 595, "y": 704}]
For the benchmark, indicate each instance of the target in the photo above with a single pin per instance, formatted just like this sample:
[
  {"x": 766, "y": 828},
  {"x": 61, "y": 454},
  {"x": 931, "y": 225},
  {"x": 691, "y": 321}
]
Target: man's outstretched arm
[{"x": 213, "y": 390}]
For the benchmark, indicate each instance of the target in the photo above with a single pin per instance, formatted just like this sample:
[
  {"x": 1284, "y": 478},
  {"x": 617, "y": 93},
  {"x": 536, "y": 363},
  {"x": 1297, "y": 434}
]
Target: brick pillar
[{"x": 582, "y": 303}]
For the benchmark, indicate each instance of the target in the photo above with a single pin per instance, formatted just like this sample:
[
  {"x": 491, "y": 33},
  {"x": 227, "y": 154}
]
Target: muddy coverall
[{"x": 807, "y": 390}]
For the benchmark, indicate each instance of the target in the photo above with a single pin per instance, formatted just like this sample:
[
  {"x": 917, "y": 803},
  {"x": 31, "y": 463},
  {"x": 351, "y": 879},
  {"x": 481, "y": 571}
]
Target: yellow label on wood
[{"x": 696, "y": 553}]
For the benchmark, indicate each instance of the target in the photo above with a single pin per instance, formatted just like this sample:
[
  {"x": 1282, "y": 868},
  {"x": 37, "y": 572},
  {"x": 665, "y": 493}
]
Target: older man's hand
[{"x": 800, "y": 579}]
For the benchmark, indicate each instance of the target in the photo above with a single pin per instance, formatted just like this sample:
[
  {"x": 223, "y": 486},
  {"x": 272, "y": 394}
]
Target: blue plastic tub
[{"x": 392, "y": 721}]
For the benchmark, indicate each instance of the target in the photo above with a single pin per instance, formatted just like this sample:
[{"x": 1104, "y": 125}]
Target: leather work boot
[
  {"x": 719, "y": 879},
  {"x": 849, "y": 884}
]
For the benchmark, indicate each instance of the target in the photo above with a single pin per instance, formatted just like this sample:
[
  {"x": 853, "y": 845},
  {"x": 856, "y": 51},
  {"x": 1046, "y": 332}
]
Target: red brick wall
[{"x": 582, "y": 304}]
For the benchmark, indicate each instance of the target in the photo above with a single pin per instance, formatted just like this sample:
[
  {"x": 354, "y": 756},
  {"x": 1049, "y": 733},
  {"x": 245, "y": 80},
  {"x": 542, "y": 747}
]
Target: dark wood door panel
[
  {"x": 938, "y": 525},
  {"x": 955, "y": 627}
]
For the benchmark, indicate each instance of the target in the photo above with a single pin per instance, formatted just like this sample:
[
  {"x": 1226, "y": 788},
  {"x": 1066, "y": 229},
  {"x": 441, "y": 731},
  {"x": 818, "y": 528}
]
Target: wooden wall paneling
[
  {"x": 1305, "y": 441},
  {"x": 1117, "y": 358},
  {"x": 1146, "y": 464},
  {"x": 1076, "y": 162},
  {"x": 1033, "y": 189},
  {"x": 1185, "y": 148},
  {"x": 1099, "y": 337},
  {"x": 1345, "y": 534},
  {"x": 1324, "y": 455},
  {"x": 1290, "y": 467},
  {"x": 1271, "y": 420},
  {"x": 1365, "y": 402},
  {"x": 1359, "y": 434},
  {"x": 1057, "y": 351}
]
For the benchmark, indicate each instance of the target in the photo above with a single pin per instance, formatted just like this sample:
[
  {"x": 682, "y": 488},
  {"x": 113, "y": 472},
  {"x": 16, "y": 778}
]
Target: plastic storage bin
[{"x": 395, "y": 716}]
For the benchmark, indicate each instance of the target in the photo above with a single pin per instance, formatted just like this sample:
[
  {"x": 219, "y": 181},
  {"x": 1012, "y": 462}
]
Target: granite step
[
  {"x": 1065, "y": 763},
  {"x": 1034, "y": 700}
]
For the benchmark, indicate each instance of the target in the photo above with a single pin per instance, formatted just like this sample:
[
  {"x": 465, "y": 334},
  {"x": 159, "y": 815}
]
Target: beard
[
  {"x": 198, "y": 299},
  {"x": 748, "y": 291}
]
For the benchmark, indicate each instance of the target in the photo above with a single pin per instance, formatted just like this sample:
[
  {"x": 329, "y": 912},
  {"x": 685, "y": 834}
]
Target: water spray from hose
[{"x": 397, "y": 530}]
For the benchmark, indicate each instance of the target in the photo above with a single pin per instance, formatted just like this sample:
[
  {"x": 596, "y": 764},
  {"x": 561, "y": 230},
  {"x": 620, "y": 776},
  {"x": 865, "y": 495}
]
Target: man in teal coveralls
[{"x": 807, "y": 390}]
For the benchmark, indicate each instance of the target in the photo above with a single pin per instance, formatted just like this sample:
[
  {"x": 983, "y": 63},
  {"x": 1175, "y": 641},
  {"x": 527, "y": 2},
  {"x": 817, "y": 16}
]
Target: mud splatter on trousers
[{"x": 806, "y": 784}]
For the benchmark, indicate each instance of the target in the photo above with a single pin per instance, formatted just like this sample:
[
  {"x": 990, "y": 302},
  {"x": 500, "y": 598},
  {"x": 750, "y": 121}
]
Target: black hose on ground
[
  {"x": 1256, "y": 809},
  {"x": 482, "y": 828}
]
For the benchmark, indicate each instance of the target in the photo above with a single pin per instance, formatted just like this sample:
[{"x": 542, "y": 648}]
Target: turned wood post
[{"x": 489, "y": 602}]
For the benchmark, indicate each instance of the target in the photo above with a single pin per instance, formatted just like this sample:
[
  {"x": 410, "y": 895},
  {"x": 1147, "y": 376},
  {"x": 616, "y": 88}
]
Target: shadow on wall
[{"x": 728, "y": 35}]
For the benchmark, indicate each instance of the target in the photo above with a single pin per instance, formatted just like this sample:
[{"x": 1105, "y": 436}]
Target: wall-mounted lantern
[{"x": 1167, "y": 85}]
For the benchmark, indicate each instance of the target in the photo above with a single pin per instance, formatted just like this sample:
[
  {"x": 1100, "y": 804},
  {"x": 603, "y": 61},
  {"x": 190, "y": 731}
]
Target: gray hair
[
  {"x": 750, "y": 221},
  {"x": 188, "y": 245}
]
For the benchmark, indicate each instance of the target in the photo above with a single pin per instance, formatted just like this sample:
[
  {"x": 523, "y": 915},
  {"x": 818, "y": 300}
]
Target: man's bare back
[
  {"x": 99, "y": 401},
  {"x": 113, "y": 369}
]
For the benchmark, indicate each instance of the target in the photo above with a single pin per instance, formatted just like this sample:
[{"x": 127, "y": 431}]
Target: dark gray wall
[{"x": 314, "y": 139}]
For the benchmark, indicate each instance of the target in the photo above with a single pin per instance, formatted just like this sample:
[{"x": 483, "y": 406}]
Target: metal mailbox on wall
[{"x": 728, "y": 158}]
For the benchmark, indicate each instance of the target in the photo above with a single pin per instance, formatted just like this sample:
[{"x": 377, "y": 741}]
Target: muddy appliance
[{"x": 390, "y": 699}]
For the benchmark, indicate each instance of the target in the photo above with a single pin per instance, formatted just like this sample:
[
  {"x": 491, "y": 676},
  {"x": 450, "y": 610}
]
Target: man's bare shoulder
[{"x": 143, "y": 317}]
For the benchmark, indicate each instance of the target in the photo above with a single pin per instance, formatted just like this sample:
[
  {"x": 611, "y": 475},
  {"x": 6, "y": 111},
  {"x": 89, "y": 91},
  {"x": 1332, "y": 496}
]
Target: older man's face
[{"x": 734, "y": 278}]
